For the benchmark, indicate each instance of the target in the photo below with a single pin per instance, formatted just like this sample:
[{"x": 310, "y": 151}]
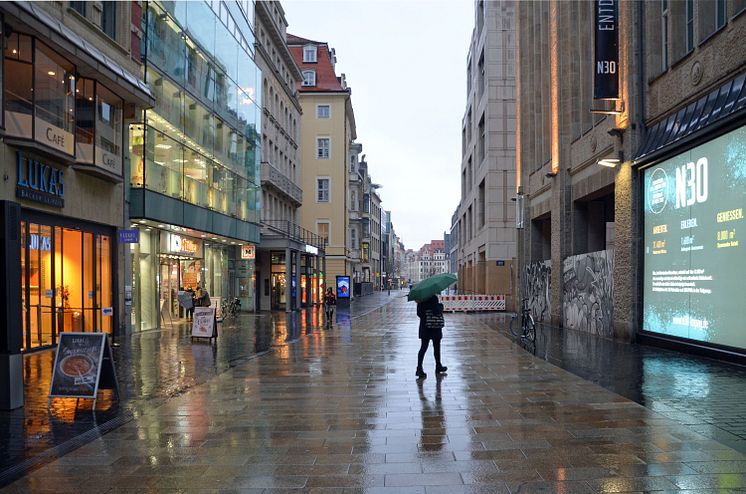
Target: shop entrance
[
  {"x": 66, "y": 282},
  {"x": 177, "y": 274}
]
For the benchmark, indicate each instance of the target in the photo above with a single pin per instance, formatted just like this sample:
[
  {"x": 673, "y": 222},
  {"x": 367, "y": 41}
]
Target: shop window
[
  {"x": 19, "y": 105},
  {"x": 54, "y": 105},
  {"x": 108, "y": 130},
  {"x": 85, "y": 107}
]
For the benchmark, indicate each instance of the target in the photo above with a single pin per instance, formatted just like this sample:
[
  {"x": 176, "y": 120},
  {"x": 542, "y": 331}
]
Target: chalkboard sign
[
  {"x": 82, "y": 366},
  {"x": 204, "y": 324}
]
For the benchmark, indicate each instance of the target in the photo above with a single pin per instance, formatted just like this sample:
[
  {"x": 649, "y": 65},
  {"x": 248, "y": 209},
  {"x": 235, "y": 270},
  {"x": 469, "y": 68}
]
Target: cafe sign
[{"x": 39, "y": 182}]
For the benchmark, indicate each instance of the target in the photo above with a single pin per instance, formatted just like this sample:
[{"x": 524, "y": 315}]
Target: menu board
[
  {"x": 82, "y": 365},
  {"x": 203, "y": 323},
  {"x": 694, "y": 226}
]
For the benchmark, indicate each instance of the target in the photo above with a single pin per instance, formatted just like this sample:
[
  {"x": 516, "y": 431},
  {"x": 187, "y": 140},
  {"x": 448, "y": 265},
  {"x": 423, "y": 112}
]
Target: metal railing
[
  {"x": 295, "y": 232},
  {"x": 282, "y": 182}
]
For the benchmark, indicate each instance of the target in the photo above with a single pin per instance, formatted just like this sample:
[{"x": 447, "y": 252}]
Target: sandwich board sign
[
  {"x": 203, "y": 323},
  {"x": 83, "y": 365}
]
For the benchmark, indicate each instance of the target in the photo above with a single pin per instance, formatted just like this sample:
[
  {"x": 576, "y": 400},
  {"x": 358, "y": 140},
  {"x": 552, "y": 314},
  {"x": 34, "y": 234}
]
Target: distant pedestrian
[
  {"x": 202, "y": 297},
  {"x": 430, "y": 313},
  {"x": 330, "y": 301}
]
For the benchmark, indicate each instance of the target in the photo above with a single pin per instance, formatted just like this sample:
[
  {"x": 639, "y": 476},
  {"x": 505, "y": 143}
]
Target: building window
[
  {"x": 712, "y": 16},
  {"x": 323, "y": 148},
  {"x": 323, "y": 230},
  {"x": 19, "y": 91},
  {"x": 353, "y": 162},
  {"x": 309, "y": 54},
  {"x": 664, "y": 35},
  {"x": 309, "y": 78},
  {"x": 353, "y": 238},
  {"x": 322, "y": 111},
  {"x": 79, "y": 7},
  {"x": 109, "y": 19},
  {"x": 323, "y": 191},
  {"x": 689, "y": 25}
]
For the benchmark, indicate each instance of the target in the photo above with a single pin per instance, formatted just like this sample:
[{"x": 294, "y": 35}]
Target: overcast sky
[{"x": 406, "y": 64}]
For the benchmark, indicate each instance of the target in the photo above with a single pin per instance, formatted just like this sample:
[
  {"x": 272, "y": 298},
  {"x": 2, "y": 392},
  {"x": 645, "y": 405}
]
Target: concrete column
[{"x": 288, "y": 281}]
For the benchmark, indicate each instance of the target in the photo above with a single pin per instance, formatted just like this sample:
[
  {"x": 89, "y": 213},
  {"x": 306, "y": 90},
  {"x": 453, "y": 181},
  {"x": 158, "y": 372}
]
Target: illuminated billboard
[{"x": 694, "y": 262}]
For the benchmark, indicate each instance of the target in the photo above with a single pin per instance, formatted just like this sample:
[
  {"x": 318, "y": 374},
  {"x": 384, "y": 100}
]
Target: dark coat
[{"x": 435, "y": 308}]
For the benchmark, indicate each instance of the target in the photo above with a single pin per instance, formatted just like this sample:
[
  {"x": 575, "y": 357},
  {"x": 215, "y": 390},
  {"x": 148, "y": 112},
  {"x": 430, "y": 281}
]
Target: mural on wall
[
  {"x": 536, "y": 281},
  {"x": 587, "y": 288}
]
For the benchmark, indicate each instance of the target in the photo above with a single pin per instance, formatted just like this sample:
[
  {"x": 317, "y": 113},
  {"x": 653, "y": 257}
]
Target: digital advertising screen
[
  {"x": 343, "y": 287},
  {"x": 694, "y": 271}
]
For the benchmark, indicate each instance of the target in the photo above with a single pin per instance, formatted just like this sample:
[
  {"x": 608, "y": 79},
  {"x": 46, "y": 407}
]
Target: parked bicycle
[
  {"x": 527, "y": 328},
  {"x": 230, "y": 308}
]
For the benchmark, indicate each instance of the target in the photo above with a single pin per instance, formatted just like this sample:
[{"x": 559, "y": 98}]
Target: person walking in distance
[
  {"x": 330, "y": 301},
  {"x": 430, "y": 313}
]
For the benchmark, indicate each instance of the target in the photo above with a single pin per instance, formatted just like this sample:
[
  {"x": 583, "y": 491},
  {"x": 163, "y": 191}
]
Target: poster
[
  {"x": 203, "y": 324},
  {"x": 343, "y": 287},
  {"x": 215, "y": 303},
  {"x": 82, "y": 364},
  {"x": 694, "y": 264}
]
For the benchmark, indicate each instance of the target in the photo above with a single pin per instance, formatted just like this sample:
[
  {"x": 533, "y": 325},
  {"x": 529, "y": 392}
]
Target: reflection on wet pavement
[
  {"x": 707, "y": 395},
  {"x": 340, "y": 411},
  {"x": 151, "y": 367}
]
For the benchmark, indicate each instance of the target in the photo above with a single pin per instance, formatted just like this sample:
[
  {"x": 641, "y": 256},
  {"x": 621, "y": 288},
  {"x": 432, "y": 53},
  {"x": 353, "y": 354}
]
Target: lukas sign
[
  {"x": 606, "y": 60},
  {"x": 39, "y": 182}
]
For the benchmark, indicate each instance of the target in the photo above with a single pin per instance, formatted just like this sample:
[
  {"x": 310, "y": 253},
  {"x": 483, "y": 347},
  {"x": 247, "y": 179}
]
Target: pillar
[
  {"x": 288, "y": 281},
  {"x": 11, "y": 332}
]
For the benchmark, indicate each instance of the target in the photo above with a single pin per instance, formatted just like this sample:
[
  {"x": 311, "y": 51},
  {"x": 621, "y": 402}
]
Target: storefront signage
[
  {"x": 107, "y": 311},
  {"x": 54, "y": 137},
  {"x": 37, "y": 242},
  {"x": 248, "y": 252},
  {"x": 606, "y": 62},
  {"x": 310, "y": 249},
  {"x": 109, "y": 162},
  {"x": 182, "y": 245},
  {"x": 82, "y": 366},
  {"x": 39, "y": 182},
  {"x": 129, "y": 236}
]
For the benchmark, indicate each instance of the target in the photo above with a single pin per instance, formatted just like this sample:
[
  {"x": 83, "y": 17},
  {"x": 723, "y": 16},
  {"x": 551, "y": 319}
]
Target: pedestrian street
[{"x": 340, "y": 411}]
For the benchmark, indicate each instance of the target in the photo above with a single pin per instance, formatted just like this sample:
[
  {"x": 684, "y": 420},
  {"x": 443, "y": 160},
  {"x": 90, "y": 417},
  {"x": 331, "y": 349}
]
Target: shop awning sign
[
  {"x": 248, "y": 252},
  {"x": 129, "y": 236}
]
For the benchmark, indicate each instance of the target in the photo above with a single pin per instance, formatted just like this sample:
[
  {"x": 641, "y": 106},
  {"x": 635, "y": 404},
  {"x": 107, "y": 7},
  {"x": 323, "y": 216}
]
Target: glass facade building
[{"x": 195, "y": 156}]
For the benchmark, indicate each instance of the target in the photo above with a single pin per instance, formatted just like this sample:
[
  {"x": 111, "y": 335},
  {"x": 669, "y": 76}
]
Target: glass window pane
[
  {"x": 103, "y": 285},
  {"x": 226, "y": 51},
  {"x": 85, "y": 108},
  {"x": 19, "y": 106},
  {"x": 201, "y": 26},
  {"x": 89, "y": 293},
  {"x": 54, "y": 85},
  {"x": 163, "y": 164},
  {"x": 70, "y": 284},
  {"x": 108, "y": 130},
  {"x": 166, "y": 46},
  {"x": 195, "y": 178},
  {"x": 137, "y": 156}
]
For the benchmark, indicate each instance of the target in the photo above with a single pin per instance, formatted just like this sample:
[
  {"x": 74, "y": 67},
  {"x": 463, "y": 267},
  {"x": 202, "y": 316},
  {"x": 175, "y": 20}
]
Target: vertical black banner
[{"x": 606, "y": 62}]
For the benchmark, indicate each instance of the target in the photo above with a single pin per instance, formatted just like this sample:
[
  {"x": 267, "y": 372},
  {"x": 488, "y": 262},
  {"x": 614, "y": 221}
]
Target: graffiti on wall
[
  {"x": 587, "y": 292},
  {"x": 535, "y": 288}
]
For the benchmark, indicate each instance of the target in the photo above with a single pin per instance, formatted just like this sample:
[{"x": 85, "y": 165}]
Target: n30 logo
[{"x": 691, "y": 183}]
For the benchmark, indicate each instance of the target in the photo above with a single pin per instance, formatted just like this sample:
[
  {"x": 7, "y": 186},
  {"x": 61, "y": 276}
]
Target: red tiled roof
[{"x": 326, "y": 78}]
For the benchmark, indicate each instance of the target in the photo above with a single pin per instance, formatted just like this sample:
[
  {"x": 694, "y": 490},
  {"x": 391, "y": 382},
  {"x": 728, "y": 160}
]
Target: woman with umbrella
[{"x": 430, "y": 312}]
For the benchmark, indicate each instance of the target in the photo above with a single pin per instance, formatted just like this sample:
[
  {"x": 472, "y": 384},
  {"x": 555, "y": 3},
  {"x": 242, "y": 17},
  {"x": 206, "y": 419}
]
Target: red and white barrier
[{"x": 468, "y": 303}]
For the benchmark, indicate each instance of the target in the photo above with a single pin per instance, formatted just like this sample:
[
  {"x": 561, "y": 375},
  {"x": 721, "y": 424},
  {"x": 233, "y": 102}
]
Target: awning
[
  {"x": 95, "y": 63},
  {"x": 719, "y": 107}
]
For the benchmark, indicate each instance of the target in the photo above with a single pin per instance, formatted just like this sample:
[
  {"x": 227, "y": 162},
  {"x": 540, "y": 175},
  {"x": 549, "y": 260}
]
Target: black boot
[
  {"x": 420, "y": 373},
  {"x": 440, "y": 369}
]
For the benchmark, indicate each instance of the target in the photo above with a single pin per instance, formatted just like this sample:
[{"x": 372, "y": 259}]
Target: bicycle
[
  {"x": 527, "y": 327},
  {"x": 230, "y": 309}
]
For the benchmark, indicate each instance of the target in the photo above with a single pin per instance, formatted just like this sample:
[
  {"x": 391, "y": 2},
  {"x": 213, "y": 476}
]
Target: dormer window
[
  {"x": 309, "y": 78},
  {"x": 309, "y": 54}
]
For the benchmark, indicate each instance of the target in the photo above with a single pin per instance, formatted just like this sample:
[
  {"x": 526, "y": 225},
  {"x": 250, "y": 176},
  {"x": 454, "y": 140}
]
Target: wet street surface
[{"x": 340, "y": 411}]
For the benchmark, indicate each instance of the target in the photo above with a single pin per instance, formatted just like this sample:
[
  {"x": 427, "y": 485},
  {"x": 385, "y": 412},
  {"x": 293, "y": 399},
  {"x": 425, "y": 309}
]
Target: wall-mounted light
[
  {"x": 617, "y": 109},
  {"x": 609, "y": 162},
  {"x": 550, "y": 174}
]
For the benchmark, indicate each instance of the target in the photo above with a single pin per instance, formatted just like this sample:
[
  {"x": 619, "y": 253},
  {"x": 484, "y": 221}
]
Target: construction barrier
[{"x": 468, "y": 303}]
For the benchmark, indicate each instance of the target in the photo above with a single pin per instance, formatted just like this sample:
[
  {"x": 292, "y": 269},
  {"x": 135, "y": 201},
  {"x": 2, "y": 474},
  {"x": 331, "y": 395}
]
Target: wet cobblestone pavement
[
  {"x": 339, "y": 411},
  {"x": 151, "y": 368}
]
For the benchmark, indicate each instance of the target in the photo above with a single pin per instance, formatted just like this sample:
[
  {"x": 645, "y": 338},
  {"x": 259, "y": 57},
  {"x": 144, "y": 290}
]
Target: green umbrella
[{"x": 431, "y": 286}]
